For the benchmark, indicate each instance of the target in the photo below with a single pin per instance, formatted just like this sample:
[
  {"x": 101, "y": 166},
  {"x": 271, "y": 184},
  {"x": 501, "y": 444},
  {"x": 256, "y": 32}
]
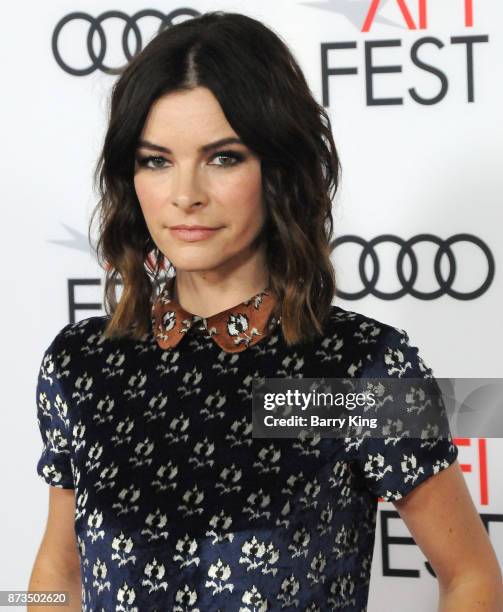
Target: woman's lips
[{"x": 191, "y": 235}]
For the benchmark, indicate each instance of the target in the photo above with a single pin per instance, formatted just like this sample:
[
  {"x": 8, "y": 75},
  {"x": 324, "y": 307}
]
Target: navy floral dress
[{"x": 177, "y": 507}]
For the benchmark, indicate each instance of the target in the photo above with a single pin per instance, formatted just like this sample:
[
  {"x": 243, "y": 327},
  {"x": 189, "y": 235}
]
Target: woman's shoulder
[
  {"x": 78, "y": 339},
  {"x": 374, "y": 345},
  {"x": 363, "y": 327},
  {"x": 86, "y": 340},
  {"x": 79, "y": 331}
]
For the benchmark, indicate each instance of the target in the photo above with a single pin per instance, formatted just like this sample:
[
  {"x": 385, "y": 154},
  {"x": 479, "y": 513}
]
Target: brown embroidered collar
[{"x": 233, "y": 329}]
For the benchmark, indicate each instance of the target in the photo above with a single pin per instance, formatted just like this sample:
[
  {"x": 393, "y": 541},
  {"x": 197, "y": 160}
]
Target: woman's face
[{"x": 177, "y": 182}]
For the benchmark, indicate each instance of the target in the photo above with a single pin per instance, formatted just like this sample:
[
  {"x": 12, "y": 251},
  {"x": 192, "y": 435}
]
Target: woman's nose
[{"x": 187, "y": 188}]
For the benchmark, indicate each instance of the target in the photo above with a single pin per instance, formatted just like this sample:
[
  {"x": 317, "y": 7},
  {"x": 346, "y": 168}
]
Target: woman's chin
[{"x": 194, "y": 264}]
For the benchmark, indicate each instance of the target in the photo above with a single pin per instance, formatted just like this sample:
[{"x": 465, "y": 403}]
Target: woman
[{"x": 218, "y": 172}]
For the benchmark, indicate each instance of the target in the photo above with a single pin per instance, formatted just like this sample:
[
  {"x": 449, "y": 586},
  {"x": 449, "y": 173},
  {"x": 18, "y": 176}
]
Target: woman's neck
[{"x": 206, "y": 293}]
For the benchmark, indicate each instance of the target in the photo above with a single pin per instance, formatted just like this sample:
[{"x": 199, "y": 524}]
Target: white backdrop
[{"x": 408, "y": 169}]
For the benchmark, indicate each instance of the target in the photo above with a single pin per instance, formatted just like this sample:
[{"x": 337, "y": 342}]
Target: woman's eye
[
  {"x": 145, "y": 161},
  {"x": 230, "y": 158},
  {"x": 234, "y": 158}
]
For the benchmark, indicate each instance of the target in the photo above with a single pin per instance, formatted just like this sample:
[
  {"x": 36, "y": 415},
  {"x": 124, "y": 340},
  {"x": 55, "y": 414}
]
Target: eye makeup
[{"x": 237, "y": 157}]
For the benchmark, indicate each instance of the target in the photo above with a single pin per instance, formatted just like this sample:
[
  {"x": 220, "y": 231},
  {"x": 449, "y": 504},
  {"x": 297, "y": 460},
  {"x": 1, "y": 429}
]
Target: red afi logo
[{"x": 402, "y": 5}]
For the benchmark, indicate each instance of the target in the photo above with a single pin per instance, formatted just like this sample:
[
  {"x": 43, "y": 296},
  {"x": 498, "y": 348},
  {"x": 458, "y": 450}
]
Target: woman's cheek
[
  {"x": 246, "y": 195},
  {"x": 150, "y": 200}
]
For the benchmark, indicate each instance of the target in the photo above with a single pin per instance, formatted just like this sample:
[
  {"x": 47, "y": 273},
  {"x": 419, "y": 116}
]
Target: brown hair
[{"x": 266, "y": 99}]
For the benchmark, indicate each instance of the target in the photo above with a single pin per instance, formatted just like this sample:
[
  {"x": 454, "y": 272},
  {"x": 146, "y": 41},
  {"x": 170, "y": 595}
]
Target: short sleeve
[
  {"x": 393, "y": 466},
  {"x": 54, "y": 464}
]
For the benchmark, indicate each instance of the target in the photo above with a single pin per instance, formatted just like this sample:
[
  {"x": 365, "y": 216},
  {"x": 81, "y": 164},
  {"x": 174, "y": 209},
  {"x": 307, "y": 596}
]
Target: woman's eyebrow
[{"x": 203, "y": 149}]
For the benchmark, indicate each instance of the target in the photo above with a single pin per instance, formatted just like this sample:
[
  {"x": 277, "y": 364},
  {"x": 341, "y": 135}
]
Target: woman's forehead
[
  {"x": 197, "y": 105},
  {"x": 188, "y": 119}
]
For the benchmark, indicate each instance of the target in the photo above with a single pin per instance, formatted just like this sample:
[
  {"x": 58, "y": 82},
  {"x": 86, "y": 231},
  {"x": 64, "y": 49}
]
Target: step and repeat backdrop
[{"x": 413, "y": 89}]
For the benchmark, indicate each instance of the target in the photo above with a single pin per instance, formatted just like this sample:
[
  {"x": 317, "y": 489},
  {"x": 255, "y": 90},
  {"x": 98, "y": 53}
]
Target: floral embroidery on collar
[{"x": 233, "y": 329}]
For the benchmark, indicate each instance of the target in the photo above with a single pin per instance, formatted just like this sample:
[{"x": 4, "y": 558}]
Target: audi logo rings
[
  {"x": 131, "y": 25},
  {"x": 406, "y": 248}
]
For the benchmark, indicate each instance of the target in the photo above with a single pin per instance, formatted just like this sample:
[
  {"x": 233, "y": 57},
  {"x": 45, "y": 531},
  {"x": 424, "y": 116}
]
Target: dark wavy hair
[{"x": 267, "y": 101}]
